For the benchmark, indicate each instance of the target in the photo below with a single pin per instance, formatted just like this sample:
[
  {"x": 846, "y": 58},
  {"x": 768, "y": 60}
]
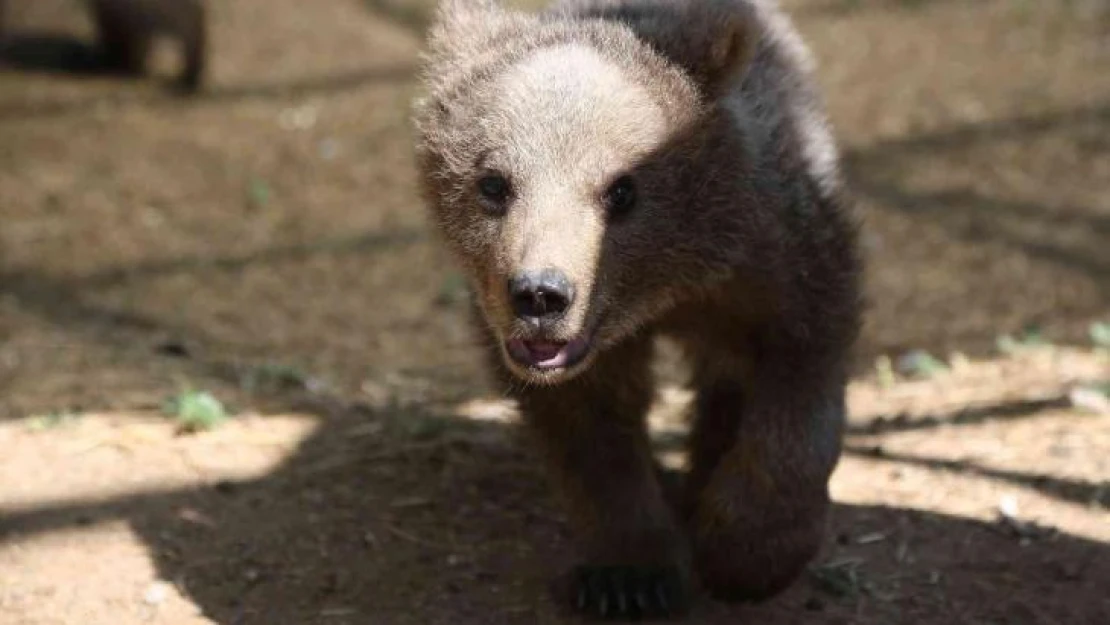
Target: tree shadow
[
  {"x": 1052, "y": 247},
  {"x": 837, "y": 8},
  {"x": 960, "y": 135},
  {"x": 876, "y": 172},
  {"x": 1025, "y": 226},
  {"x": 1010, "y": 410},
  {"x": 66, "y": 303},
  {"x": 433, "y": 519},
  {"x": 1080, "y": 492},
  {"x": 415, "y": 16},
  {"x": 18, "y": 110},
  {"x": 363, "y": 243},
  {"x": 1076, "y": 491}
]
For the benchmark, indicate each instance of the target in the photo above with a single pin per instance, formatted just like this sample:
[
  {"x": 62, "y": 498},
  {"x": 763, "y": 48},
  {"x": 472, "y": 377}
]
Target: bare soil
[{"x": 149, "y": 244}]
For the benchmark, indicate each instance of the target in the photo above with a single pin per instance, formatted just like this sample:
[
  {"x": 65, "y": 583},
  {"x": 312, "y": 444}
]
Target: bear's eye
[
  {"x": 620, "y": 196},
  {"x": 495, "y": 189}
]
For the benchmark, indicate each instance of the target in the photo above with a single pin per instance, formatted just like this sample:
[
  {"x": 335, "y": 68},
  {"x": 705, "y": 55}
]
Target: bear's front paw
[{"x": 629, "y": 592}]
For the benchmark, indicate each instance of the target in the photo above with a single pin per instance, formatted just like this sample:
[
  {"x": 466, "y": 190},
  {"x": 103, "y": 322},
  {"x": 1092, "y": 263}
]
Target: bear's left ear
[
  {"x": 730, "y": 45},
  {"x": 712, "y": 40}
]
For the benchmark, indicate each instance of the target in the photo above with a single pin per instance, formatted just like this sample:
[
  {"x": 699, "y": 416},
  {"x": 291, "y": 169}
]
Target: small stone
[
  {"x": 156, "y": 593},
  {"x": 1008, "y": 506},
  {"x": 328, "y": 149},
  {"x": 1089, "y": 400},
  {"x": 497, "y": 410},
  {"x": 174, "y": 349},
  {"x": 873, "y": 537}
]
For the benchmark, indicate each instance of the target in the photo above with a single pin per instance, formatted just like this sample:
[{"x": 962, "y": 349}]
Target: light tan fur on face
[
  {"x": 561, "y": 108},
  {"x": 541, "y": 111}
]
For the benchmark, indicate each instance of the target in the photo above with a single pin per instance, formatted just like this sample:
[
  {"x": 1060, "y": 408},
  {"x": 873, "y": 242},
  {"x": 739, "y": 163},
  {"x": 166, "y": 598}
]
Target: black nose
[{"x": 543, "y": 294}]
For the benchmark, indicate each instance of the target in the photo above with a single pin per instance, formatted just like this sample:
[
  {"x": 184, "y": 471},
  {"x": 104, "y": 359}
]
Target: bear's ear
[
  {"x": 731, "y": 40},
  {"x": 456, "y": 21},
  {"x": 712, "y": 40}
]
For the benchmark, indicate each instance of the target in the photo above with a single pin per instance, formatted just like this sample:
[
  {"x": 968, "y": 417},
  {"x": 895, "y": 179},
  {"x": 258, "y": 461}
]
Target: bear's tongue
[
  {"x": 543, "y": 354},
  {"x": 544, "y": 351},
  {"x": 547, "y": 354}
]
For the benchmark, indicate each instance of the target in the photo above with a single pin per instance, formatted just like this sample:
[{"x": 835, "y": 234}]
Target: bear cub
[{"x": 609, "y": 171}]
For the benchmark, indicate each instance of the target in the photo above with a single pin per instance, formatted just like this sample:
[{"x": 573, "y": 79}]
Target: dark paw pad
[{"x": 628, "y": 592}]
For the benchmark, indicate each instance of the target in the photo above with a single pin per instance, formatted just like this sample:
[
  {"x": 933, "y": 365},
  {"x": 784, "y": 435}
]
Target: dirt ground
[{"x": 263, "y": 242}]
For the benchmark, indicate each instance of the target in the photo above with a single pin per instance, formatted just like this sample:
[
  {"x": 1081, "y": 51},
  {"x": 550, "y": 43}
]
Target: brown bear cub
[
  {"x": 128, "y": 28},
  {"x": 608, "y": 171}
]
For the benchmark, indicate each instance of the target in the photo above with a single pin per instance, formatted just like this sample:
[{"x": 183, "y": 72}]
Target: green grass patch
[
  {"x": 196, "y": 411},
  {"x": 1029, "y": 338},
  {"x": 51, "y": 420}
]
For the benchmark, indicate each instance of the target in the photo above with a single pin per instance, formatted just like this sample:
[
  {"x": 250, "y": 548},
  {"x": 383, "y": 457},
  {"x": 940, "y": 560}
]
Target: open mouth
[{"x": 547, "y": 355}]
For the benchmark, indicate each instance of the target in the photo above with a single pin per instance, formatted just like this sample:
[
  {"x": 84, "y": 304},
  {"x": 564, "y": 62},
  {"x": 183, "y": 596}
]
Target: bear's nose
[{"x": 537, "y": 295}]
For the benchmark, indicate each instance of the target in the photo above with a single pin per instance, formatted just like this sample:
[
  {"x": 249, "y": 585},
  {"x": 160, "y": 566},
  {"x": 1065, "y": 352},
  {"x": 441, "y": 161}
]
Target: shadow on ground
[
  {"x": 16, "y": 110},
  {"x": 50, "y": 53},
  {"x": 1072, "y": 237},
  {"x": 406, "y": 517}
]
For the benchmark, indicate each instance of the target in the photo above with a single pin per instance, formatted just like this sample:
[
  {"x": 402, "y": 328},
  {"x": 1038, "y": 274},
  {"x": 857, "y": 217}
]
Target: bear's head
[{"x": 576, "y": 166}]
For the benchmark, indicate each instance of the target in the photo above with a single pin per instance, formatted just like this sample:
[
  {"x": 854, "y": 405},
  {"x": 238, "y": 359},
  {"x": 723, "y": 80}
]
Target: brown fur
[
  {"x": 127, "y": 29},
  {"x": 740, "y": 246}
]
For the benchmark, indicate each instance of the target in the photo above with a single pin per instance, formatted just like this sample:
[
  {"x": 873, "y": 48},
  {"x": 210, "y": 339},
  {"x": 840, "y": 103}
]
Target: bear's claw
[{"x": 628, "y": 592}]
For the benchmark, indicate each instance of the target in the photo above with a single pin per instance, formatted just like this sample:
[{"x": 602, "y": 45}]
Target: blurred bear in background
[{"x": 128, "y": 33}]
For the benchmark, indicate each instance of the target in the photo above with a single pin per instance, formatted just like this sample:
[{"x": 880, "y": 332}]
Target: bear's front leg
[
  {"x": 761, "y": 501},
  {"x": 591, "y": 431}
]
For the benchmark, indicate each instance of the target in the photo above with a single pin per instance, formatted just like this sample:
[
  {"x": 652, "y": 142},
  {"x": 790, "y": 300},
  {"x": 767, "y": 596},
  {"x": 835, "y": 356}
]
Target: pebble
[
  {"x": 156, "y": 593},
  {"x": 1089, "y": 400}
]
